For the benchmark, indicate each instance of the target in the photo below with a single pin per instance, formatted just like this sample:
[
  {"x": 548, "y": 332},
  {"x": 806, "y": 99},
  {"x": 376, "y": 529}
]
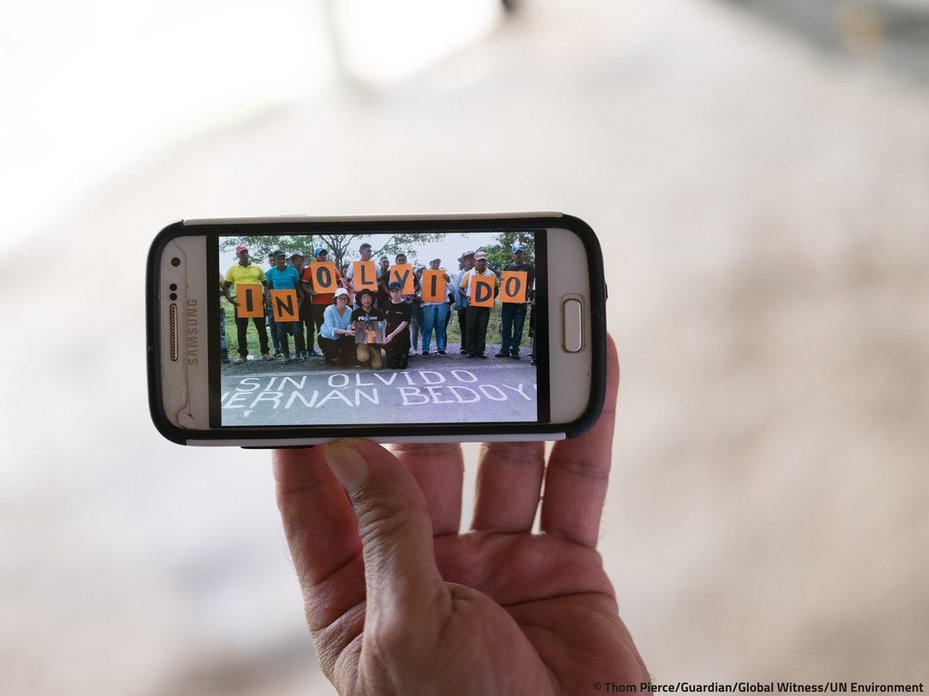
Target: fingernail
[{"x": 346, "y": 462}]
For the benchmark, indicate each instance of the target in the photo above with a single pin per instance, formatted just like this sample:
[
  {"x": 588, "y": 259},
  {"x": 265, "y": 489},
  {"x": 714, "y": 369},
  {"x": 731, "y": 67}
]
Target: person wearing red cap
[{"x": 247, "y": 273}]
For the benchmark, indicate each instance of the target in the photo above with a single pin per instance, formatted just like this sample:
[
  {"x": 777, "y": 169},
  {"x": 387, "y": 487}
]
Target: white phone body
[{"x": 191, "y": 402}]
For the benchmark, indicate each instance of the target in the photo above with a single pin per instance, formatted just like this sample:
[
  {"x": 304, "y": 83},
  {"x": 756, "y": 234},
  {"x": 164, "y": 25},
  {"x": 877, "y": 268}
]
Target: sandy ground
[{"x": 764, "y": 211}]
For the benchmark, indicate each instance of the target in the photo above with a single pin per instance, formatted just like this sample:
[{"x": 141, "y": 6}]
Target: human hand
[{"x": 398, "y": 602}]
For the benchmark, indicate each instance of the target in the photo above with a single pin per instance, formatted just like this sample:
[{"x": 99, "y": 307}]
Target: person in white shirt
[
  {"x": 476, "y": 318},
  {"x": 365, "y": 252}
]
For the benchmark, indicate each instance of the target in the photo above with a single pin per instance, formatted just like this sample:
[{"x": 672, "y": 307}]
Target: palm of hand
[
  {"x": 523, "y": 613},
  {"x": 398, "y": 602},
  {"x": 533, "y": 614}
]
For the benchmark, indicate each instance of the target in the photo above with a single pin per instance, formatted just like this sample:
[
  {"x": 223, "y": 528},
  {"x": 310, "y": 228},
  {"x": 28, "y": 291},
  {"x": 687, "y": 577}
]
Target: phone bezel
[{"x": 272, "y": 435}]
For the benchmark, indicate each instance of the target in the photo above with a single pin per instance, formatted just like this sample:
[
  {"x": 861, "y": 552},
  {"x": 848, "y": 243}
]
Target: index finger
[
  {"x": 322, "y": 532},
  {"x": 578, "y": 470},
  {"x": 439, "y": 471}
]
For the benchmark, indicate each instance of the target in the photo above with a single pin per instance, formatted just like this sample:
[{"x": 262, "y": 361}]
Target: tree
[
  {"x": 344, "y": 247},
  {"x": 341, "y": 247},
  {"x": 260, "y": 245},
  {"x": 500, "y": 254}
]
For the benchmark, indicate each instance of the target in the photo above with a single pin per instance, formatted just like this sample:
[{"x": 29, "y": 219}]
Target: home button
[{"x": 573, "y": 323}]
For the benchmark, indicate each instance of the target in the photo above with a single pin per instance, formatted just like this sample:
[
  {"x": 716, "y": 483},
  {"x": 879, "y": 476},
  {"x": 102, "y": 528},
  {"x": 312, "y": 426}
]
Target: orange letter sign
[
  {"x": 364, "y": 276},
  {"x": 482, "y": 291},
  {"x": 403, "y": 274},
  {"x": 324, "y": 277},
  {"x": 250, "y": 301},
  {"x": 513, "y": 286},
  {"x": 433, "y": 286},
  {"x": 284, "y": 305}
]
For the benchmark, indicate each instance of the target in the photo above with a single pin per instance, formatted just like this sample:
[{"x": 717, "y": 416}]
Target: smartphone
[{"x": 294, "y": 331}]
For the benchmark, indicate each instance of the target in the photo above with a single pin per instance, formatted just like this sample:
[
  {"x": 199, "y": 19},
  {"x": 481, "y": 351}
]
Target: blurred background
[{"x": 758, "y": 173}]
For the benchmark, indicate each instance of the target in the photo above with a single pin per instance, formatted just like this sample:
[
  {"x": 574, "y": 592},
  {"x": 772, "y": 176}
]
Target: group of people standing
[{"x": 353, "y": 324}]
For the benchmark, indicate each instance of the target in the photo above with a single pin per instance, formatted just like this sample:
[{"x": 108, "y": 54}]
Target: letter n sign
[
  {"x": 482, "y": 291},
  {"x": 250, "y": 299},
  {"x": 513, "y": 287},
  {"x": 284, "y": 305}
]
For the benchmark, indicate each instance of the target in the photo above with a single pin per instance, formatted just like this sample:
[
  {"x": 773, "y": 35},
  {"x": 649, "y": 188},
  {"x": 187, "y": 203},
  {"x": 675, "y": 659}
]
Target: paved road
[{"x": 453, "y": 392}]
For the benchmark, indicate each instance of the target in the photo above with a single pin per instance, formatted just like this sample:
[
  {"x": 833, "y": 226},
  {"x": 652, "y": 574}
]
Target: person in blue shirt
[
  {"x": 282, "y": 276},
  {"x": 434, "y": 314},
  {"x": 461, "y": 300},
  {"x": 336, "y": 336},
  {"x": 269, "y": 316}
]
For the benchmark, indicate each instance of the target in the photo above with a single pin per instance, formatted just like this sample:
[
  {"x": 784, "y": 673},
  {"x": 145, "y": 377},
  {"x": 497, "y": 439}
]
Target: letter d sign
[{"x": 482, "y": 291}]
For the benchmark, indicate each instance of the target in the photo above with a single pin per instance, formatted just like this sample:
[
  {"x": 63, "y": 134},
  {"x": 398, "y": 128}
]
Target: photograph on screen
[{"x": 377, "y": 328}]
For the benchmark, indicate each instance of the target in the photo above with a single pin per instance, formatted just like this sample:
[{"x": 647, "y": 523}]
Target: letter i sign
[{"x": 249, "y": 301}]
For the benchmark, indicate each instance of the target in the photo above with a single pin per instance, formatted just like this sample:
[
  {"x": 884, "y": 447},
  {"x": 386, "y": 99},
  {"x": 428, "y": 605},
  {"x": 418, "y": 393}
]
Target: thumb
[{"x": 395, "y": 528}]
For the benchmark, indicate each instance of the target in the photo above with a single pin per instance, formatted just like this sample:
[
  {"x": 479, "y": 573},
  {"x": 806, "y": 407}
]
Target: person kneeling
[
  {"x": 336, "y": 336},
  {"x": 366, "y": 321}
]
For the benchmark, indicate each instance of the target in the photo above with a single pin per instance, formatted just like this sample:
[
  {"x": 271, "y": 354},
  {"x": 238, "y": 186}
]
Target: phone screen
[{"x": 378, "y": 328}]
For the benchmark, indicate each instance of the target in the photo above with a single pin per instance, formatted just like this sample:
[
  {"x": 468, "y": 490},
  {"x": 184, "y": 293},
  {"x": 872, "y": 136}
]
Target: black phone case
[{"x": 282, "y": 436}]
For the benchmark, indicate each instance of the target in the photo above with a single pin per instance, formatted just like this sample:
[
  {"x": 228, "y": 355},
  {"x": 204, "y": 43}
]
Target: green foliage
[
  {"x": 260, "y": 245},
  {"x": 342, "y": 248},
  {"x": 499, "y": 255}
]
